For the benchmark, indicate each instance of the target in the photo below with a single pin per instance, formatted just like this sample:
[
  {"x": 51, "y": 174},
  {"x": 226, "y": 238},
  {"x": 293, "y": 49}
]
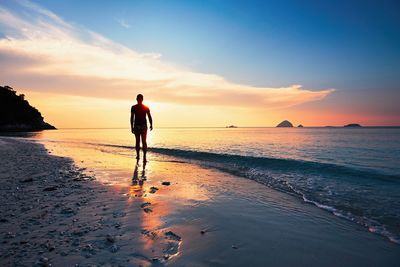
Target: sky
[{"x": 204, "y": 63}]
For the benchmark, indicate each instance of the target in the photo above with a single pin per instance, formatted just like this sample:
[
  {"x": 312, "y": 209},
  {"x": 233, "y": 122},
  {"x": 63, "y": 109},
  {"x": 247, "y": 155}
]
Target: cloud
[
  {"x": 123, "y": 23},
  {"x": 49, "y": 54}
]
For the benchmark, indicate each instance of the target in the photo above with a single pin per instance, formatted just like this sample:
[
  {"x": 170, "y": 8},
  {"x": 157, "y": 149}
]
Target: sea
[{"x": 353, "y": 173}]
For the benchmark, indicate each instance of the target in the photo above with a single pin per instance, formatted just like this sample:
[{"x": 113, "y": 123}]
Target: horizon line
[{"x": 225, "y": 127}]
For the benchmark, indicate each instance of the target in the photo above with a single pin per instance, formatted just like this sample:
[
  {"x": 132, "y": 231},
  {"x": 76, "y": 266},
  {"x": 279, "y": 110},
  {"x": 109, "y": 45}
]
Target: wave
[
  {"x": 364, "y": 197},
  {"x": 273, "y": 163},
  {"x": 360, "y": 196}
]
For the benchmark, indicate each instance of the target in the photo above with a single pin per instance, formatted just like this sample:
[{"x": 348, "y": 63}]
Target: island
[
  {"x": 17, "y": 115},
  {"x": 285, "y": 123},
  {"x": 231, "y": 126},
  {"x": 300, "y": 126},
  {"x": 353, "y": 125}
]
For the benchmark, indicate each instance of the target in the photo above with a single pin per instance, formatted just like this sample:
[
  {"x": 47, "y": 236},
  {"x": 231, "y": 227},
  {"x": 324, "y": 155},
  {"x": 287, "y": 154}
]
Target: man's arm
[
  {"x": 132, "y": 118},
  {"x": 150, "y": 119}
]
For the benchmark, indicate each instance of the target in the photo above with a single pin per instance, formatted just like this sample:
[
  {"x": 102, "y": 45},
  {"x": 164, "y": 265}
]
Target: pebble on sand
[
  {"x": 43, "y": 261},
  {"x": 166, "y": 183},
  {"x": 50, "y": 188},
  {"x": 110, "y": 238},
  {"x": 153, "y": 190},
  {"x": 147, "y": 210},
  {"x": 114, "y": 248},
  {"x": 144, "y": 205},
  {"x": 173, "y": 236}
]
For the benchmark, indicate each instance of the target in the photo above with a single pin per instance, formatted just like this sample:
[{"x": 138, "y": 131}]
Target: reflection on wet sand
[
  {"x": 141, "y": 216},
  {"x": 158, "y": 243},
  {"x": 136, "y": 188}
]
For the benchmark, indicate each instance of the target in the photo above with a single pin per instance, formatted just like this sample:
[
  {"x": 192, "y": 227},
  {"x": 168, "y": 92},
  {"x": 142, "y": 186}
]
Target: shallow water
[{"x": 353, "y": 173}]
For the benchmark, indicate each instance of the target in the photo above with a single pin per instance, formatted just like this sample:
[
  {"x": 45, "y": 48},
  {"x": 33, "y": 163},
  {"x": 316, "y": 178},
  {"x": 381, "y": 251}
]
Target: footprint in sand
[
  {"x": 145, "y": 207},
  {"x": 166, "y": 246}
]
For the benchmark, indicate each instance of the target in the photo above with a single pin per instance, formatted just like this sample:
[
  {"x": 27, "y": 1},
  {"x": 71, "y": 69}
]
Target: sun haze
[{"x": 72, "y": 69}]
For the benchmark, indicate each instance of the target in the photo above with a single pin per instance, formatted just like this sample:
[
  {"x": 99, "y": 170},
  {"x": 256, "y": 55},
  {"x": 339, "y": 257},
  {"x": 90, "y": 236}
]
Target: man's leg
[
  {"x": 144, "y": 144},
  {"x": 137, "y": 137}
]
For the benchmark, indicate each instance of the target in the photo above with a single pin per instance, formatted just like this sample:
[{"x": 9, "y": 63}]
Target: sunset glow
[{"x": 72, "y": 73}]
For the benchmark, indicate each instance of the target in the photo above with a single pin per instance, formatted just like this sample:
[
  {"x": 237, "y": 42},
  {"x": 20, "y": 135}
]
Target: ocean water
[{"x": 354, "y": 173}]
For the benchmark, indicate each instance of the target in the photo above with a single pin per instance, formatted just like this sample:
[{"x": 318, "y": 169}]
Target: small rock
[
  {"x": 166, "y": 183},
  {"x": 114, "y": 248},
  {"x": 50, "y": 247},
  {"x": 88, "y": 247},
  {"x": 202, "y": 232},
  {"x": 28, "y": 180},
  {"x": 110, "y": 238},
  {"x": 64, "y": 253},
  {"x": 144, "y": 205},
  {"x": 234, "y": 247},
  {"x": 147, "y": 210},
  {"x": 117, "y": 214},
  {"x": 67, "y": 211},
  {"x": 50, "y": 188},
  {"x": 151, "y": 234},
  {"x": 153, "y": 190},
  {"x": 43, "y": 261},
  {"x": 173, "y": 236}
]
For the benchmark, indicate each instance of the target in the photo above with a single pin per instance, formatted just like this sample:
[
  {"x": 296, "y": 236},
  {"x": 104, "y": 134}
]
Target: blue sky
[
  {"x": 350, "y": 46},
  {"x": 340, "y": 44}
]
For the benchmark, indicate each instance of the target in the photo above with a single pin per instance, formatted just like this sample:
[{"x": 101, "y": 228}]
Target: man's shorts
[{"x": 140, "y": 129}]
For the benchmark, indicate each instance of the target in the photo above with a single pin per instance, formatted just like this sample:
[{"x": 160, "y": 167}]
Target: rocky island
[
  {"x": 353, "y": 125},
  {"x": 17, "y": 115},
  {"x": 285, "y": 123}
]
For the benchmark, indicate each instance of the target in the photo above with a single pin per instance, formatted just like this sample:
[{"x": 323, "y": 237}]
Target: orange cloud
[{"x": 51, "y": 55}]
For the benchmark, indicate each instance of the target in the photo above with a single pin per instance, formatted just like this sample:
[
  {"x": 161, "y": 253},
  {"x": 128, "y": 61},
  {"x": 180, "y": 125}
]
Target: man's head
[{"x": 139, "y": 98}]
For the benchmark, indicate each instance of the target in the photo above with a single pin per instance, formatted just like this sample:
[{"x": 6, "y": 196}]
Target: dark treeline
[{"x": 16, "y": 114}]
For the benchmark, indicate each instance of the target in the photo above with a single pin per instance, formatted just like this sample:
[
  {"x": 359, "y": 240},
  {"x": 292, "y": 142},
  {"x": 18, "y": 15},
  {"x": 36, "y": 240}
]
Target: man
[{"x": 139, "y": 124}]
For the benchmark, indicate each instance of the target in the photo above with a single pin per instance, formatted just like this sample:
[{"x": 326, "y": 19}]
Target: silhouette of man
[{"x": 139, "y": 124}]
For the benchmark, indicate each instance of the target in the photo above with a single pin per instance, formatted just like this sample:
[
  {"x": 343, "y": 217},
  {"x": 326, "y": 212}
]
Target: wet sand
[{"x": 107, "y": 210}]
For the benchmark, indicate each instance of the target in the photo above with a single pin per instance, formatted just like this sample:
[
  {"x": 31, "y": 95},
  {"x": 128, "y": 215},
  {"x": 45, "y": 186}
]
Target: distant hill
[
  {"x": 353, "y": 125},
  {"x": 17, "y": 115},
  {"x": 285, "y": 123}
]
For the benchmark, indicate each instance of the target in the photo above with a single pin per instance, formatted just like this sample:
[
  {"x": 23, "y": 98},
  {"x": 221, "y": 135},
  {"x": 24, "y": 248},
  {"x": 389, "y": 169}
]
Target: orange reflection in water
[
  {"x": 116, "y": 168},
  {"x": 184, "y": 191},
  {"x": 136, "y": 188},
  {"x": 150, "y": 196}
]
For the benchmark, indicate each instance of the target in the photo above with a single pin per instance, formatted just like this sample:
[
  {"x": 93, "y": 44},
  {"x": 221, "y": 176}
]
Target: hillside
[{"x": 16, "y": 114}]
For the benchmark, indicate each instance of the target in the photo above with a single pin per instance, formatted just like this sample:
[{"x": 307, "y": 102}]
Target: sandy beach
[
  {"x": 199, "y": 133},
  {"x": 168, "y": 212}
]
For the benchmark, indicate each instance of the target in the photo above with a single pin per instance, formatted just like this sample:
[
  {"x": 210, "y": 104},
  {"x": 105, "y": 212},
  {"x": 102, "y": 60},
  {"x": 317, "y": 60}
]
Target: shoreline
[
  {"x": 203, "y": 218},
  {"x": 54, "y": 213}
]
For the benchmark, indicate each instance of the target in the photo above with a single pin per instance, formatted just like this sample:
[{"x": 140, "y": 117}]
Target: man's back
[{"x": 140, "y": 111}]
